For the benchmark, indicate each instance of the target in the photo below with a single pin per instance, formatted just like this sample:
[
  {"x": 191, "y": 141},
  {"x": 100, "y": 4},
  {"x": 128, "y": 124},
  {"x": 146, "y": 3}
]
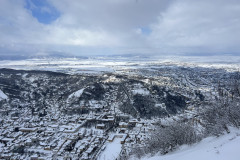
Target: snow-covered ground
[
  {"x": 2, "y": 95},
  {"x": 76, "y": 94},
  {"x": 139, "y": 89},
  {"x": 112, "y": 150},
  {"x": 226, "y": 147},
  {"x": 107, "y": 64}
]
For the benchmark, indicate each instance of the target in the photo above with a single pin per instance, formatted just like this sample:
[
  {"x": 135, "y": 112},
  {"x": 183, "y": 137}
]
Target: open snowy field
[
  {"x": 112, "y": 150},
  {"x": 114, "y": 64}
]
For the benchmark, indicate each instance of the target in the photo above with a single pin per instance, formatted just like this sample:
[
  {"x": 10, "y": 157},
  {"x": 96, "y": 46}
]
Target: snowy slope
[
  {"x": 3, "y": 96},
  {"x": 226, "y": 147},
  {"x": 76, "y": 94}
]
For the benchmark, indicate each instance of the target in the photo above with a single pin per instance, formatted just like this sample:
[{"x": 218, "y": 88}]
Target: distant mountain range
[
  {"x": 64, "y": 55},
  {"x": 38, "y": 56}
]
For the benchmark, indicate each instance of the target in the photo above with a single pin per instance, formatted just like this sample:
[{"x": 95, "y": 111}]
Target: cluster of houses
[{"x": 69, "y": 137}]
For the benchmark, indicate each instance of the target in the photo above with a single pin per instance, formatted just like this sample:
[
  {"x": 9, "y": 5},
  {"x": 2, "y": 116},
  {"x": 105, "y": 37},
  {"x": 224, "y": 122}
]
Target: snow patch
[
  {"x": 139, "y": 89},
  {"x": 3, "y": 96},
  {"x": 76, "y": 94},
  {"x": 112, "y": 150}
]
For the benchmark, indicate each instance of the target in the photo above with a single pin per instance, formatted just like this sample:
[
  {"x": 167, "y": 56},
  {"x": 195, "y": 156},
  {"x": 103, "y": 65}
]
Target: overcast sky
[{"x": 98, "y": 27}]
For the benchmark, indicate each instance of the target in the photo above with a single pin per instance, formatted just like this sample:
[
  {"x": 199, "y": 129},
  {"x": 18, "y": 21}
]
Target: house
[
  {"x": 111, "y": 138},
  {"x": 6, "y": 140},
  {"x": 5, "y": 156},
  {"x": 123, "y": 125},
  {"x": 90, "y": 150},
  {"x": 28, "y": 142},
  {"x": 122, "y": 136},
  {"x": 28, "y": 130},
  {"x": 133, "y": 122},
  {"x": 47, "y": 148},
  {"x": 34, "y": 157},
  {"x": 100, "y": 126},
  {"x": 123, "y": 139}
]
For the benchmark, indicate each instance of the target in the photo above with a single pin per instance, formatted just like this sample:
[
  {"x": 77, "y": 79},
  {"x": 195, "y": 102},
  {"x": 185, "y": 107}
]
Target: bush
[
  {"x": 19, "y": 149},
  {"x": 217, "y": 118},
  {"x": 167, "y": 139}
]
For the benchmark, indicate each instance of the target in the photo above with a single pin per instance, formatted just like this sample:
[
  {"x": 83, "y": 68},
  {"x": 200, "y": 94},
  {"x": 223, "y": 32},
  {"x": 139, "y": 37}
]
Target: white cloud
[
  {"x": 65, "y": 36},
  {"x": 116, "y": 26},
  {"x": 199, "y": 26}
]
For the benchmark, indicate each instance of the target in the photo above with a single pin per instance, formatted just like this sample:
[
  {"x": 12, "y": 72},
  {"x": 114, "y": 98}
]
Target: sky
[{"x": 105, "y": 27}]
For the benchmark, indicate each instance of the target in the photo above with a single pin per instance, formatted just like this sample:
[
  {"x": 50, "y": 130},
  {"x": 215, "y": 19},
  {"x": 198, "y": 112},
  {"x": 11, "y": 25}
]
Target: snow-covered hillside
[
  {"x": 211, "y": 148},
  {"x": 2, "y": 95},
  {"x": 76, "y": 94}
]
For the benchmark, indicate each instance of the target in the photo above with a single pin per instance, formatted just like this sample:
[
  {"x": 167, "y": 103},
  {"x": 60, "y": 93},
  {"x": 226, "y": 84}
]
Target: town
[{"x": 50, "y": 115}]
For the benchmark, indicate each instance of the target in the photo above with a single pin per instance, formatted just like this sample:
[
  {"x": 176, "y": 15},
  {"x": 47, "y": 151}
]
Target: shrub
[{"x": 217, "y": 118}]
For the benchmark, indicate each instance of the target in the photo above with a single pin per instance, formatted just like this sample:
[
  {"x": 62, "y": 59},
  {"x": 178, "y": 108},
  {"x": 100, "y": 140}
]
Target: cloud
[
  {"x": 199, "y": 26},
  {"x": 120, "y": 26}
]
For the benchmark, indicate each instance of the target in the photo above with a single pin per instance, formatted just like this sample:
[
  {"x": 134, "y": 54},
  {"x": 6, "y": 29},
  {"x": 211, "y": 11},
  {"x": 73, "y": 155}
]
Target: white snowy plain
[{"x": 226, "y": 147}]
